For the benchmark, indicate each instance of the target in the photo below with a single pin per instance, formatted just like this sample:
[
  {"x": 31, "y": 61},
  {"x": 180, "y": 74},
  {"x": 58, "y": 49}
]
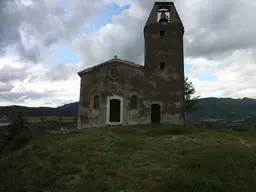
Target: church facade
[{"x": 121, "y": 92}]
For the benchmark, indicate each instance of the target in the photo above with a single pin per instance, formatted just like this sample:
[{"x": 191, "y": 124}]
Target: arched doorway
[
  {"x": 114, "y": 110},
  {"x": 114, "y": 114},
  {"x": 155, "y": 113}
]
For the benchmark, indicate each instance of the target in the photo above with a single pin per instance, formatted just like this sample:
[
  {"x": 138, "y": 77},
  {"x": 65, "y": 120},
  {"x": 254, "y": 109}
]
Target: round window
[{"x": 114, "y": 73}]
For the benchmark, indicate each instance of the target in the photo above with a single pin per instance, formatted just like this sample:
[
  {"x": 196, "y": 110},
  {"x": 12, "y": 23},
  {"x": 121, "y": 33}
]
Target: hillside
[
  {"x": 71, "y": 107},
  {"x": 224, "y": 107},
  {"x": 37, "y": 111},
  {"x": 140, "y": 159},
  {"x": 208, "y": 108}
]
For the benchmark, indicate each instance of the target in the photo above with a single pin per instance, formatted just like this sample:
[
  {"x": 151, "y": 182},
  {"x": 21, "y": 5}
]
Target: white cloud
[{"x": 219, "y": 40}]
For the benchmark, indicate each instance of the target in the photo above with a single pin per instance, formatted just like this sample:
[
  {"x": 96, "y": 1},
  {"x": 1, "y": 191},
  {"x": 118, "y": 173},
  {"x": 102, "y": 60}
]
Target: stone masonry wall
[{"x": 132, "y": 81}]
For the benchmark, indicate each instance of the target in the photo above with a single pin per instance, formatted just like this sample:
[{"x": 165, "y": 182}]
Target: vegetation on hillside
[
  {"x": 12, "y": 111},
  {"x": 18, "y": 134},
  {"x": 224, "y": 108},
  {"x": 191, "y": 100},
  {"x": 51, "y": 118},
  {"x": 140, "y": 158}
]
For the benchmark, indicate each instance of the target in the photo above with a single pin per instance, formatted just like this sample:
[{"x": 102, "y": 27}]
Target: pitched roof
[{"x": 80, "y": 73}]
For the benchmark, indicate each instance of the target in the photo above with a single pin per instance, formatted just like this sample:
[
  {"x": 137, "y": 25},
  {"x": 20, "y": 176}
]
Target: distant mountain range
[
  {"x": 207, "y": 108},
  {"x": 224, "y": 107}
]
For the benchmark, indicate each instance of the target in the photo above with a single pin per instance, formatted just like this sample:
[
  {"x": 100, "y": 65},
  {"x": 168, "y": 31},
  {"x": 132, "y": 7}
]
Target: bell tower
[
  {"x": 164, "y": 57},
  {"x": 163, "y": 35}
]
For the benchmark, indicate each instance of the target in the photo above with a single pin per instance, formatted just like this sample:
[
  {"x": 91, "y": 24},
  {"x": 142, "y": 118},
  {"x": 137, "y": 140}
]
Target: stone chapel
[{"x": 119, "y": 92}]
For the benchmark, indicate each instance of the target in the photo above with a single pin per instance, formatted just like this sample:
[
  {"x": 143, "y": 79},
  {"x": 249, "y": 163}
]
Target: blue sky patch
[
  {"x": 207, "y": 77},
  {"x": 187, "y": 69},
  {"x": 201, "y": 77},
  {"x": 104, "y": 17},
  {"x": 96, "y": 22},
  {"x": 66, "y": 56}
]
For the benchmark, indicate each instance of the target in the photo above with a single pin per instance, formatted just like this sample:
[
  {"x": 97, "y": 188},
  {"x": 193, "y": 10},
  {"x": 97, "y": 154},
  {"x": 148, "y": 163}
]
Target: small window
[
  {"x": 114, "y": 73},
  {"x": 96, "y": 102},
  {"x": 162, "y": 33},
  {"x": 134, "y": 102},
  {"x": 162, "y": 65}
]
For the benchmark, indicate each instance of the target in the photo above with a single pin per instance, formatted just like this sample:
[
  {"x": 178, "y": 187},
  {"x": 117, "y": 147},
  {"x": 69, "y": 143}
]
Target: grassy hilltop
[{"x": 139, "y": 158}]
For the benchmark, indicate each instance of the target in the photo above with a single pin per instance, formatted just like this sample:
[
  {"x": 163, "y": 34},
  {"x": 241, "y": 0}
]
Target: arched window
[
  {"x": 134, "y": 102},
  {"x": 163, "y": 14},
  {"x": 96, "y": 102}
]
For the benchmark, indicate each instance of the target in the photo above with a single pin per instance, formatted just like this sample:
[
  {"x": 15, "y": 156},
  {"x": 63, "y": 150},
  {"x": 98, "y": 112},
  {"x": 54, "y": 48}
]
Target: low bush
[
  {"x": 169, "y": 130},
  {"x": 18, "y": 134},
  {"x": 240, "y": 128}
]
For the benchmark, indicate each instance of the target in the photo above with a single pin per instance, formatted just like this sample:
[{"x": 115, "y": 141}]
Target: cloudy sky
[{"x": 44, "y": 43}]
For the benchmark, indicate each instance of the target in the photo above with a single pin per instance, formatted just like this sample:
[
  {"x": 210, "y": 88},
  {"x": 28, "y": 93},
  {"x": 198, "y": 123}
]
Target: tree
[
  {"x": 42, "y": 119},
  {"x": 190, "y": 99},
  {"x": 18, "y": 133},
  {"x": 19, "y": 124}
]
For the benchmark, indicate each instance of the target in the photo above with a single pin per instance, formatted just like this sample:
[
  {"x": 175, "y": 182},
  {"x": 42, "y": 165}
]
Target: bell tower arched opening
[{"x": 163, "y": 15}]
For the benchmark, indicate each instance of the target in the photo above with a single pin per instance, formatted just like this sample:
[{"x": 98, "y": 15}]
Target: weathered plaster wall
[
  {"x": 170, "y": 81},
  {"x": 99, "y": 82},
  {"x": 132, "y": 81}
]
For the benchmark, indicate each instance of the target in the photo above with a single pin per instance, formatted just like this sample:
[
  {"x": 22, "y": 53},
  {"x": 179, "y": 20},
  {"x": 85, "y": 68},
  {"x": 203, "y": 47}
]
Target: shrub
[
  {"x": 18, "y": 134},
  {"x": 169, "y": 130},
  {"x": 20, "y": 140},
  {"x": 240, "y": 128}
]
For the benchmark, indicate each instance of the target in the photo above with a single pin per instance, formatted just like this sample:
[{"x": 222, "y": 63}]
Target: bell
[{"x": 163, "y": 18}]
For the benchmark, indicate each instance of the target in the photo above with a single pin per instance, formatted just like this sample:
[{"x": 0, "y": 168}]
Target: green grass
[
  {"x": 50, "y": 118},
  {"x": 212, "y": 119},
  {"x": 135, "y": 158}
]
